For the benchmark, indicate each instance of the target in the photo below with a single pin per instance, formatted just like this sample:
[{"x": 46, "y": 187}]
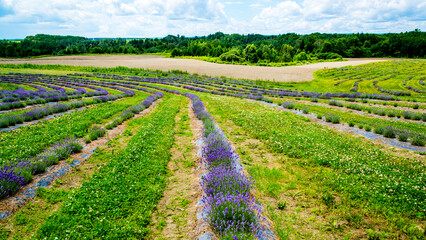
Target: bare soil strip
[
  {"x": 280, "y": 74},
  {"x": 9, "y": 205}
]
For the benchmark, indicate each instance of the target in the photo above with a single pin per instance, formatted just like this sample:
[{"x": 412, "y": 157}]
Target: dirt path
[
  {"x": 280, "y": 74},
  {"x": 175, "y": 217}
]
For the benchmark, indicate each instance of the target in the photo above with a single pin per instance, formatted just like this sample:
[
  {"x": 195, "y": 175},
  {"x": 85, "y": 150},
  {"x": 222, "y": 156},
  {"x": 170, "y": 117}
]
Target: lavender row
[
  {"x": 39, "y": 113},
  {"x": 131, "y": 111},
  {"x": 21, "y": 94},
  {"x": 232, "y": 212},
  {"x": 397, "y": 93},
  {"x": 417, "y": 116},
  {"x": 251, "y": 87},
  {"x": 416, "y": 139},
  {"x": 14, "y": 175},
  {"x": 21, "y": 98},
  {"x": 411, "y": 87}
]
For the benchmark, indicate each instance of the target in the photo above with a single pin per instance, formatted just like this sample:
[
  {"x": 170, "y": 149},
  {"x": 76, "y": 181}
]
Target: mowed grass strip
[{"x": 118, "y": 201}]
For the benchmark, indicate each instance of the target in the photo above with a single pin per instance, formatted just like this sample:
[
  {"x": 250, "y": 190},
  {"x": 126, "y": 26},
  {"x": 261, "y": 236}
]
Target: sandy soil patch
[{"x": 280, "y": 74}]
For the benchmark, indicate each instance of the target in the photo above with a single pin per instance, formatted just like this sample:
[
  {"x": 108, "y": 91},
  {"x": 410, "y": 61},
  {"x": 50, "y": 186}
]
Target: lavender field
[{"x": 131, "y": 153}]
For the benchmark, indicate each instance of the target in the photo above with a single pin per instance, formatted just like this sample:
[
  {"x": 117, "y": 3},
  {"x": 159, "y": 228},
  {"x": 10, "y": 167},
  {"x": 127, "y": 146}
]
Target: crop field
[
  {"x": 130, "y": 153},
  {"x": 193, "y": 66}
]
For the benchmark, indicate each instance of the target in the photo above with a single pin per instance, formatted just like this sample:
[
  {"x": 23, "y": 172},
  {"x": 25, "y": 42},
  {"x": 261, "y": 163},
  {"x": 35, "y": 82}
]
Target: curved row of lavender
[
  {"x": 232, "y": 212},
  {"x": 20, "y": 98},
  {"x": 416, "y": 139},
  {"x": 404, "y": 83},
  {"x": 14, "y": 175},
  {"x": 397, "y": 93},
  {"x": 38, "y": 113},
  {"x": 226, "y": 86}
]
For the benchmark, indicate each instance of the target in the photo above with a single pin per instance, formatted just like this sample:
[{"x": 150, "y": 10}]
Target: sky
[{"x": 159, "y": 18}]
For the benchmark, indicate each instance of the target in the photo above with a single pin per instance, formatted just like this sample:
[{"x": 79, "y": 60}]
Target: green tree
[
  {"x": 286, "y": 53},
  {"x": 250, "y": 53}
]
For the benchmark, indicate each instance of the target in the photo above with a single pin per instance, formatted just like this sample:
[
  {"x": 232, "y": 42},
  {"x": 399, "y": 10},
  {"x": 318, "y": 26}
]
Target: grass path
[{"x": 175, "y": 217}]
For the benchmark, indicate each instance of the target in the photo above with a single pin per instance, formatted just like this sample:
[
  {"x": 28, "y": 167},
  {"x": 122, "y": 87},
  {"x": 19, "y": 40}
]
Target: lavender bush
[{"x": 231, "y": 210}]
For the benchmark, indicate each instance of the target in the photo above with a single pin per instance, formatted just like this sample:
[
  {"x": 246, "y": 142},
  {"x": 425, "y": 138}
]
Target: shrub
[
  {"x": 403, "y": 136},
  {"x": 95, "y": 133},
  {"x": 416, "y": 116},
  {"x": 302, "y": 56},
  {"x": 288, "y": 105},
  {"x": 418, "y": 140},
  {"x": 391, "y": 114},
  {"x": 10, "y": 181},
  {"x": 407, "y": 115},
  {"x": 305, "y": 110},
  {"x": 416, "y": 106},
  {"x": 378, "y": 130},
  {"x": 367, "y": 128},
  {"x": 319, "y": 116},
  {"x": 381, "y": 112},
  {"x": 230, "y": 56},
  {"x": 351, "y": 124},
  {"x": 389, "y": 132},
  {"x": 335, "y": 103},
  {"x": 335, "y": 119},
  {"x": 113, "y": 124},
  {"x": 332, "y": 118}
]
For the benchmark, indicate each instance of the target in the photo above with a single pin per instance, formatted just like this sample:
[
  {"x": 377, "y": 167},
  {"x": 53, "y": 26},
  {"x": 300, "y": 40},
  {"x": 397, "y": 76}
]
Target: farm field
[
  {"x": 280, "y": 74},
  {"x": 107, "y": 152}
]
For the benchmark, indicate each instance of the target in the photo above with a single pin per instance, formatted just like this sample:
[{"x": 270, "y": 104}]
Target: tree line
[{"x": 252, "y": 48}]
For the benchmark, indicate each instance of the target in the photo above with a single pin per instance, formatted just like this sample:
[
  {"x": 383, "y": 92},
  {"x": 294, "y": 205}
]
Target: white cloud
[
  {"x": 156, "y": 18},
  {"x": 341, "y": 16},
  {"x": 256, "y": 5},
  {"x": 115, "y": 18}
]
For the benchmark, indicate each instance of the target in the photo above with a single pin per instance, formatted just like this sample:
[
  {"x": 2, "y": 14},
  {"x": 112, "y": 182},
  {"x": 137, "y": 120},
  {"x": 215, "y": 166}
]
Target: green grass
[
  {"x": 26, "y": 221},
  {"x": 348, "y": 184},
  {"x": 347, "y": 117},
  {"x": 118, "y": 201},
  {"x": 7, "y": 86},
  {"x": 396, "y": 71},
  {"x": 361, "y": 172},
  {"x": 30, "y": 140}
]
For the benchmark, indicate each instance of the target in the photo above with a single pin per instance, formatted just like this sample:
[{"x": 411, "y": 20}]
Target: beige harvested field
[{"x": 281, "y": 74}]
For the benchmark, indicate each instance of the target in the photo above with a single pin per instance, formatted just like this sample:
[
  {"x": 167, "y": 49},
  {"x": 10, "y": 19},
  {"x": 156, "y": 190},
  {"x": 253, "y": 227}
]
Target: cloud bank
[{"x": 149, "y": 18}]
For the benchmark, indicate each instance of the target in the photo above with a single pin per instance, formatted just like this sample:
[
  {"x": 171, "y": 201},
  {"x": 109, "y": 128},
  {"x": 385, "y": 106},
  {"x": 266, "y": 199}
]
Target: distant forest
[{"x": 251, "y": 48}]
